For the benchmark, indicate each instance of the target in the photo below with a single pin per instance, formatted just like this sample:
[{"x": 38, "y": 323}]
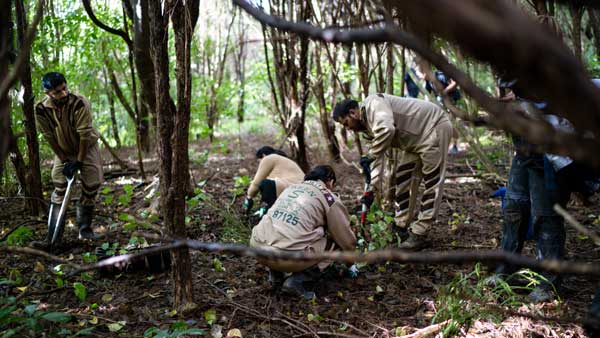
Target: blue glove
[{"x": 353, "y": 271}]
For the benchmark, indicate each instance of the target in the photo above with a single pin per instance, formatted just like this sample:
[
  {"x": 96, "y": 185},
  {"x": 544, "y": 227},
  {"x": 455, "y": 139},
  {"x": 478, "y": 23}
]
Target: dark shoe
[
  {"x": 402, "y": 232},
  {"x": 414, "y": 242},
  {"x": 85, "y": 214},
  {"x": 541, "y": 295},
  {"x": 275, "y": 279},
  {"x": 294, "y": 284},
  {"x": 87, "y": 233}
]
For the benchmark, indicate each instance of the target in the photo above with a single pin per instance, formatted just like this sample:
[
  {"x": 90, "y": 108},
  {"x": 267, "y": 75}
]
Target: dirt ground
[{"x": 384, "y": 301}]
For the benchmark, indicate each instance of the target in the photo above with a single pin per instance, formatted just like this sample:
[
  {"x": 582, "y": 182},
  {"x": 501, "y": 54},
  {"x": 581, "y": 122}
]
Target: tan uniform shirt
[
  {"x": 281, "y": 169},
  {"x": 301, "y": 218},
  {"x": 68, "y": 124},
  {"x": 397, "y": 122}
]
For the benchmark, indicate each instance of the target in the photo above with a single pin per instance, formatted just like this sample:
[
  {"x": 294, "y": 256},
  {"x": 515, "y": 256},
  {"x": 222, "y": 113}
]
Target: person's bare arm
[{"x": 451, "y": 86}]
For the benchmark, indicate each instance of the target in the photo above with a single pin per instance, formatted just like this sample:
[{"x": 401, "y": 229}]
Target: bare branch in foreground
[{"x": 379, "y": 256}]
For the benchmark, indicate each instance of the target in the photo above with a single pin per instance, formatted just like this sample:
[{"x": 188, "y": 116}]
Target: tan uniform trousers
[
  {"x": 90, "y": 175},
  {"x": 292, "y": 265},
  {"x": 427, "y": 165}
]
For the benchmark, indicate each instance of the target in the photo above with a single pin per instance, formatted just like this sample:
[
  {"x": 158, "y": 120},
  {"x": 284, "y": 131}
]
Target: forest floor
[{"x": 231, "y": 292}]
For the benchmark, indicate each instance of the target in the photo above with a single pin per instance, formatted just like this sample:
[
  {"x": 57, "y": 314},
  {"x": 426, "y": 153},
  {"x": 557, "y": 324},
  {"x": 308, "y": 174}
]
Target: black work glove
[
  {"x": 365, "y": 163},
  {"x": 71, "y": 167},
  {"x": 248, "y": 203},
  {"x": 367, "y": 199}
]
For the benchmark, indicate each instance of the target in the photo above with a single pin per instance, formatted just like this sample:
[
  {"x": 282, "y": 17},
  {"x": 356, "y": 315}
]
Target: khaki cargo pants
[
  {"x": 427, "y": 165},
  {"x": 90, "y": 175}
]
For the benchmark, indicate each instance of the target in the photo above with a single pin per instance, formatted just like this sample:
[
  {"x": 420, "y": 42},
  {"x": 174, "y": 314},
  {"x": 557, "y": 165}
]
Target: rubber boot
[
  {"x": 294, "y": 284},
  {"x": 592, "y": 322},
  {"x": 414, "y": 242},
  {"x": 402, "y": 232},
  {"x": 85, "y": 213},
  {"x": 52, "y": 217},
  {"x": 550, "y": 244},
  {"x": 275, "y": 279}
]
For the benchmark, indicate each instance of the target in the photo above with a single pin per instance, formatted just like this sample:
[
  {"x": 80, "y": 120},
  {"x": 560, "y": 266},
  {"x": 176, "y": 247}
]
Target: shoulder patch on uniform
[
  {"x": 380, "y": 95},
  {"x": 328, "y": 197}
]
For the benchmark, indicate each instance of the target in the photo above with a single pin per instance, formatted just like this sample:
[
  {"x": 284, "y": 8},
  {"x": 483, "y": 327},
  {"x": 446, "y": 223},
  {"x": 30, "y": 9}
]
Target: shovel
[
  {"x": 363, "y": 214},
  {"x": 59, "y": 224}
]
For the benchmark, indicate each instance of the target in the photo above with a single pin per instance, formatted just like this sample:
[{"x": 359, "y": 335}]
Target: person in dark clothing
[
  {"x": 411, "y": 86},
  {"x": 451, "y": 89},
  {"x": 450, "y": 86},
  {"x": 531, "y": 191}
]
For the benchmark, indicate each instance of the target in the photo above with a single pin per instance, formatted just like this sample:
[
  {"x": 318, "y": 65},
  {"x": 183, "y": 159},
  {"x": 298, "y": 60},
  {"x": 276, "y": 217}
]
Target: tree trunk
[
  {"x": 390, "y": 69},
  {"x": 111, "y": 107},
  {"x": 5, "y": 123},
  {"x": 326, "y": 123},
  {"x": 576, "y": 14},
  {"x": 240, "y": 68},
  {"x": 173, "y": 130},
  {"x": 34, "y": 177},
  {"x": 145, "y": 71},
  {"x": 595, "y": 23}
]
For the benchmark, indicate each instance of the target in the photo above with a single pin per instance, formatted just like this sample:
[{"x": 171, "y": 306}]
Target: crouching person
[{"x": 305, "y": 217}]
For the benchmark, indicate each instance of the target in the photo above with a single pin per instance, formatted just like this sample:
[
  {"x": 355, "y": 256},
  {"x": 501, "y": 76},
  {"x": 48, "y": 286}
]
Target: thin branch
[
  {"x": 379, "y": 256},
  {"x": 35, "y": 252},
  {"x": 578, "y": 226},
  {"x": 90, "y": 12}
]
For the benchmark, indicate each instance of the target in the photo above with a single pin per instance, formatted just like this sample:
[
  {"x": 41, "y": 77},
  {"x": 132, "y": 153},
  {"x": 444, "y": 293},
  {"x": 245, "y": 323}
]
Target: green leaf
[
  {"x": 85, "y": 332},
  {"x": 114, "y": 327},
  {"x": 106, "y": 190},
  {"x": 218, "y": 265},
  {"x": 210, "y": 316},
  {"x": 192, "y": 331},
  {"x": 30, "y": 309},
  {"x": 57, "y": 317},
  {"x": 126, "y": 217},
  {"x": 80, "y": 291}
]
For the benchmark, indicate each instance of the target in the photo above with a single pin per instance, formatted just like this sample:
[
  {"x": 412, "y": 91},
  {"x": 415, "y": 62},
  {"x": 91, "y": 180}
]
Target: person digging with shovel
[{"x": 65, "y": 120}]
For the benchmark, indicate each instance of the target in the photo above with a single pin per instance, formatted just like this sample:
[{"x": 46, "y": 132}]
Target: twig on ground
[
  {"x": 349, "y": 325},
  {"x": 255, "y": 313},
  {"x": 426, "y": 330},
  {"x": 578, "y": 226}
]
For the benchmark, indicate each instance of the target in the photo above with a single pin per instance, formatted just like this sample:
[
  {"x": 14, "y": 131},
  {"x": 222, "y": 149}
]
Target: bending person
[
  {"x": 275, "y": 173},
  {"x": 421, "y": 130},
  {"x": 306, "y": 217}
]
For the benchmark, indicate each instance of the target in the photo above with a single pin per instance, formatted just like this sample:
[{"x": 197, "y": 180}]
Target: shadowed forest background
[{"x": 183, "y": 93}]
